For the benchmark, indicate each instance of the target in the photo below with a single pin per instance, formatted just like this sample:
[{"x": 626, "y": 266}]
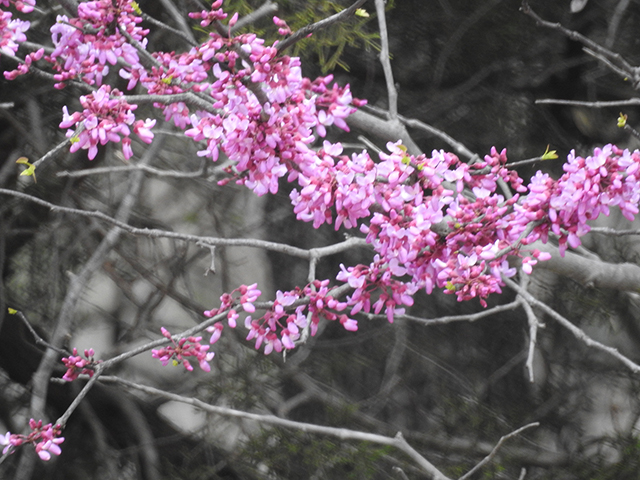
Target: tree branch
[
  {"x": 577, "y": 332},
  {"x": 342, "y": 433},
  {"x": 493, "y": 453},
  {"x": 310, "y": 29}
]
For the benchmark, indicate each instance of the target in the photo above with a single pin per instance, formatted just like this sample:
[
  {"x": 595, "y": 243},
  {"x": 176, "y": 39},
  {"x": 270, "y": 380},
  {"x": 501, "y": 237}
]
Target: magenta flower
[
  {"x": 77, "y": 365},
  {"x": 106, "y": 118},
  {"x": 44, "y": 438},
  {"x": 24, "y": 6},
  {"x": 184, "y": 348},
  {"x": 11, "y": 32}
]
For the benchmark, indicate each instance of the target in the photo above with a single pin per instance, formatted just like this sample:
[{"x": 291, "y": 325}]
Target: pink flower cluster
[
  {"x": 106, "y": 117},
  {"x": 85, "y": 46},
  {"x": 283, "y": 28},
  {"x": 243, "y": 296},
  {"x": 179, "y": 352},
  {"x": 77, "y": 365},
  {"x": 433, "y": 221},
  {"x": 208, "y": 17},
  {"x": 11, "y": 32},
  {"x": 24, "y": 6},
  {"x": 590, "y": 186},
  {"x": 44, "y": 438},
  {"x": 280, "y": 325},
  {"x": 279, "y": 328}
]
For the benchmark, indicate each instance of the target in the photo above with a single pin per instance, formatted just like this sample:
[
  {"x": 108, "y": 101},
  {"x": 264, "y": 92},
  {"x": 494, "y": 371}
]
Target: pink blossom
[
  {"x": 77, "y": 365},
  {"x": 11, "y": 32},
  {"x": 45, "y": 439},
  {"x": 106, "y": 118},
  {"x": 179, "y": 352}
]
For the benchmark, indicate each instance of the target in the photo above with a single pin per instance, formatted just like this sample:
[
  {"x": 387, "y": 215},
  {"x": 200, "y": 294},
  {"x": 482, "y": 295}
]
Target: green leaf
[
  {"x": 622, "y": 120},
  {"x": 30, "y": 171},
  {"x": 361, "y": 12},
  {"x": 12, "y": 311},
  {"x": 549, "y": 154}
]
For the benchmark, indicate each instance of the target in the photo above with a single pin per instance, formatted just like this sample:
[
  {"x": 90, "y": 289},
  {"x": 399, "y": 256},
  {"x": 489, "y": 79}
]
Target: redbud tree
[{"x": 454, "y": 222}]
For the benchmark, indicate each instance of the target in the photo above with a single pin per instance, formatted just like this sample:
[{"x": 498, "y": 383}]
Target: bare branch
[
  {"x": 534, "y": 324},
  {"x": 577, "y": 332},
  {"x": 185, "y": 29},
  {"x": 187, "y": 37},
  {"x": 453, "y": 318},
  {"x": 309, "y": 29},
  {"x": 392, "y": 93},
  {"x": 493, "y": 453},
  {"x": 591, "y": 272},
  {"x": 613, "y": 103},
  {"x": 267, "y": 8},
  {"x": 613, "y": 232},
  {"x": 234, "y": 242},
  {"x": 342, "y": 433},
  {"x": 458, "y": 147},
  {"x": 131, "y": 168},
  {"x": 613, "y": 60},
  {"x": 66, "y": 315}
]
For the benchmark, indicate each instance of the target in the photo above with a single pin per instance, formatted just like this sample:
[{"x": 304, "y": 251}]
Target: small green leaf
[
  {"x": 622, "y": 120},
  {"x": 175, "y": 362},
  {"x": 12, "y": 311},
  {"x": 549, "y": 154},
  {"x": 361, "y": 12},
  {"x": 30, "y": 171},
  {"x": 136, "y": 8}
]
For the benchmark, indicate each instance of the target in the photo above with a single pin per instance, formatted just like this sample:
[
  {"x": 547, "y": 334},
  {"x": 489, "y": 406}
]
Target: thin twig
[
  {"x": 342, "y": 433},
  {"x": 267, "y": 8},
  {"x": 179, "y": 33},
  {"x": 38, "y": 339},
  {"x": 612, "y": 103},
  {"x": 613, "y": 60},
  {"x": 132, "y": 168},
  {"x": 185, "y": 29},
  {"x": 493, "y": 453},
  {"x": 534, "y": 324},
  {"x": 310, "y": 29},
  {"x": 458, "y": 147},
  {"x": 613, "y": 232},
  {"x": 577, "y": 332},
  {"x": 452, "y": 318},
  {"x": 392, "y": 93},
  {"x": 231, "y": 242}
]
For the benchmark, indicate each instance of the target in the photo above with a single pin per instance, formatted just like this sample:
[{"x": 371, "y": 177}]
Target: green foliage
[
  {"x": 289, "y": 454},
  {"x": 325, "y": 46}
]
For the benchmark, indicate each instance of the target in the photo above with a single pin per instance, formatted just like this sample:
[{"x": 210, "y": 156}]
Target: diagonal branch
[
  {"x": 310, "y": 29},
  {"x": 493, "y": 453},
  {"x": 577, "y": 332},
  {"x": 342, "y": 433},
  {"x": 613, "y": 60}
]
